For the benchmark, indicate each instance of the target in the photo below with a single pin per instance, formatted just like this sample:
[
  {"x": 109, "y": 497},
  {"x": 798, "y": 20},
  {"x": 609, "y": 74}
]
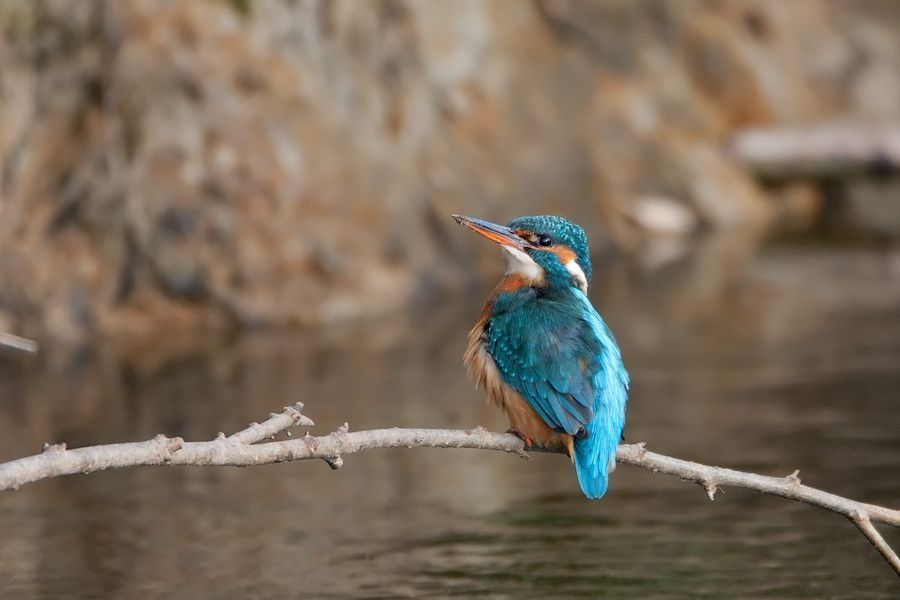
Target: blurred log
[
  {"x": 17, "y": 343},
  {"x": 824, "y": 150}
]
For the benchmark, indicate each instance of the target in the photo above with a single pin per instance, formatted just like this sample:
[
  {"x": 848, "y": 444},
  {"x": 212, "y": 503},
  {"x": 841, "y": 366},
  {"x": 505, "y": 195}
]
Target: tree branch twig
[
  {"x": 864, "y": 523},
  {"x": 244, "y": 450},
  {"x": 276, "y": 423},
  {"x": 18, "y": 343}
]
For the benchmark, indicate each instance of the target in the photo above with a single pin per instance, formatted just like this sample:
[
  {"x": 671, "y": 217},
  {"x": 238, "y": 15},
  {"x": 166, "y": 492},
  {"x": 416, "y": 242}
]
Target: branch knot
[
  {"x": 794, "y": 478},
  {"x": 48, "y": 447},
  {"x": 169, "y": 446},
  {"x": 342, "y": 434},
  {"x": 293, "y": 411},
  {"x": 711, "y": 489}
]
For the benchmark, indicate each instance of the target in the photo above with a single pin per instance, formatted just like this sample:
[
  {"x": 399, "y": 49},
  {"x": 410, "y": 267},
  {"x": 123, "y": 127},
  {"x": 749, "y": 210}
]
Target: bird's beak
[{"x": 496, "y": 233}]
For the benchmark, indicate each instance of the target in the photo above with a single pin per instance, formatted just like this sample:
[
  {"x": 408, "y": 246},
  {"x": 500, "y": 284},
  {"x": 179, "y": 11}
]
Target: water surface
[{"x": 787, "y": 359}]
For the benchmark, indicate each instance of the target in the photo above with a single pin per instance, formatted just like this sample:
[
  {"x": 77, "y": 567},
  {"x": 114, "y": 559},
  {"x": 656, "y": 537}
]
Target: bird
[{"x": 543, "y": 353}]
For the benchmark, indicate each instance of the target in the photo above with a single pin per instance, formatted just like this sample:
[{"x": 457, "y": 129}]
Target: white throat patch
[
  {"x": 578, "y": 273},
  {"x": 519, "y": 263}
]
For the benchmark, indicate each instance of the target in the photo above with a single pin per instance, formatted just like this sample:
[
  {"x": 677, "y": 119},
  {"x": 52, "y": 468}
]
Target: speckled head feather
[{"x": 561, "y": 233}]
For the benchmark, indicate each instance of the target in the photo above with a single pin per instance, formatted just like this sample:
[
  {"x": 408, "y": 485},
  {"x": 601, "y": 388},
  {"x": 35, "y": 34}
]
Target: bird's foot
[{"x": 524, "y": 438}]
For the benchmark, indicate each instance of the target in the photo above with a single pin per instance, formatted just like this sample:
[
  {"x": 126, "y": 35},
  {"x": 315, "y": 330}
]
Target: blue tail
[
  {"x": 594, "y": 459},
  {"x": 595, "y": 454}
]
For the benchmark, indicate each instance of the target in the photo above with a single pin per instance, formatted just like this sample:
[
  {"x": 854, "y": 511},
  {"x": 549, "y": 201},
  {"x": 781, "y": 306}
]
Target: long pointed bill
[{"x": 496, "y": 233}]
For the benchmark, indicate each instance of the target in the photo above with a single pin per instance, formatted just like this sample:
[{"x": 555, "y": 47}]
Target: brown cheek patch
[{"x": 563, "y": 253}]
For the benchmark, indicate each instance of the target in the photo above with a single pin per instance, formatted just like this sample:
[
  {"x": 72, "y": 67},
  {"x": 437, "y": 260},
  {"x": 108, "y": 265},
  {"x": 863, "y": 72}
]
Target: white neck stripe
[{"x": 578, "y": 273}]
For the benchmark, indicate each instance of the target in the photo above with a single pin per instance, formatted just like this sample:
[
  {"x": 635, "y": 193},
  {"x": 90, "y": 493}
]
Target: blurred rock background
[{"x": 180, "y": 165}]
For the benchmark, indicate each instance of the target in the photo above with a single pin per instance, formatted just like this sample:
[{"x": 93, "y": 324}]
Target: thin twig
[
  {"x": 242, "y": 449},
  {"x": 17, "y": 342},
  {"x": 864, "y": 522},
  {"x": 276, "y": 423}
]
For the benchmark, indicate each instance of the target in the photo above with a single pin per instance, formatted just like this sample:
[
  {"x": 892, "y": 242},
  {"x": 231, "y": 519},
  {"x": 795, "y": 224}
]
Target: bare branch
[
  {"x": 242, "y": 449},
  {"x": 276, "y": 423},
  {"x": 788, "y": 487},
  {"x": 865, "y": 525},
  {"x": 18, "y": 343}
]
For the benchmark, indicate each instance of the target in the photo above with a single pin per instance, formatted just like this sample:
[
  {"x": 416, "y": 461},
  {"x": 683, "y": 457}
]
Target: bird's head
[{"x": 545, "y": 250}]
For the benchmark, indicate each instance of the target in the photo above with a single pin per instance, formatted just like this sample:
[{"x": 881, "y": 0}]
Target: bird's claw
[{"x": 525, "y": 439}]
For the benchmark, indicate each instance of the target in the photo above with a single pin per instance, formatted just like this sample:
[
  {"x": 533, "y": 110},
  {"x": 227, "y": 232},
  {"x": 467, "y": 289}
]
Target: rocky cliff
[{"x": 173, "y": 165}]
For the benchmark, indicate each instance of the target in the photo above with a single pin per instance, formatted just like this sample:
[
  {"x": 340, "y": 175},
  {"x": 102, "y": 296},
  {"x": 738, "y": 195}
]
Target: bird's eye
[{"x": 544, "y": 240}]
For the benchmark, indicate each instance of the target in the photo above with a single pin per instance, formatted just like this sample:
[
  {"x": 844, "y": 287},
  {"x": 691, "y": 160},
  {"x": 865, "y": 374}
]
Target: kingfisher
[{"x": 541, "y": 351}]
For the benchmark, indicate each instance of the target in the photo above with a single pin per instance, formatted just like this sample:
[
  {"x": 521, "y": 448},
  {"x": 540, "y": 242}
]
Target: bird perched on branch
[{"x": 541, "y": 351}]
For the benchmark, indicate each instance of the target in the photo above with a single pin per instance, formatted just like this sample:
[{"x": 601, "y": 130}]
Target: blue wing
[{"x": 548, "y": 351}]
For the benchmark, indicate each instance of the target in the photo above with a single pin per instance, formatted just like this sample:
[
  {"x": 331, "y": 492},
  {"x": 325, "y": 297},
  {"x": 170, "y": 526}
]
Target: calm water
[{"x": 786, "y": 359}]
